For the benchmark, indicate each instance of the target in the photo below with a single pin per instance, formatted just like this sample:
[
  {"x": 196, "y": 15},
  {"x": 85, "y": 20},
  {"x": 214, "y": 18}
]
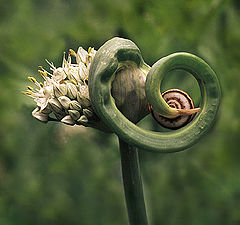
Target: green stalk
[
  {"x": 102, "y": 71},
  {"x": 118, "y": 51},
  {"x": 132, "y": 184}
]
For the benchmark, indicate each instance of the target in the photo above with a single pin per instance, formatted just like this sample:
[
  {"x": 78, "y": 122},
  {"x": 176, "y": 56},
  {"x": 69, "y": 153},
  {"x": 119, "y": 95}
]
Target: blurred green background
[{"x": 58, "y": 175}]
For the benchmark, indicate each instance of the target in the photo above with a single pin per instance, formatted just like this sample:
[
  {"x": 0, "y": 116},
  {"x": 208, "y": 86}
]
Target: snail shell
[{"x": 178, "y": 99}]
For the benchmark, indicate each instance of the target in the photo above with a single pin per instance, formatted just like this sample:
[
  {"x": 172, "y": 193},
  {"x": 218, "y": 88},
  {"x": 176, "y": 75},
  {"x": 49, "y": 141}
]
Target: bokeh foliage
[{"x": 58, "y": 175}]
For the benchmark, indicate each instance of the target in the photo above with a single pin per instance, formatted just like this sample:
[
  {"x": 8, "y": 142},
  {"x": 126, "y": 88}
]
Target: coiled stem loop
[{"x": 104, "y": 65}]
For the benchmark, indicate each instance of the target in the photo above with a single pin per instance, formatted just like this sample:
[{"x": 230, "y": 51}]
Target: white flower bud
[
  {"x": 91, "y": 54},
  {"x": 75, "y": 105},
  {"x": 84, "y": 91},
  {"x": 82, "y": 100},
  {"x": 83, "y": 71},
  {"x": 47, "y": 109},
  {"x": 68, "y": 120},
  {"x": 74, "y": 114},
  {"x": 73, "y": 74},
  {"x": 88, "y": 113},
  {"x": 55, "y": 105},
  {"x": 59, "y": 115},
  {"x": 59, "y": 89},
  {"x": 82, "y": 120},
  {"x": 65, "y": 101},
  {"x": 71, "y": 90},
  {"x": 47, "y": 91},
  {"x": 64, "y": 92},
  {"x": 59, "y": 74},
  {"x": 43, "y": 117},
  {"x": 81, "y": 55}
]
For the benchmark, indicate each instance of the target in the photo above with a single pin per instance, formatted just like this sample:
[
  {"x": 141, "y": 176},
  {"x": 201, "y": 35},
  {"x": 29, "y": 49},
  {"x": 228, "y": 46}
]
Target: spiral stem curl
[
  {"x": 103, "y": 68},
  {"x": 102, "y": 71}
]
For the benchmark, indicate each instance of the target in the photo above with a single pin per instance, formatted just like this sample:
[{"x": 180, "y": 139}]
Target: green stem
[
  {"x": 132, "y": 184},
  {"x": 102, "y": 71}
]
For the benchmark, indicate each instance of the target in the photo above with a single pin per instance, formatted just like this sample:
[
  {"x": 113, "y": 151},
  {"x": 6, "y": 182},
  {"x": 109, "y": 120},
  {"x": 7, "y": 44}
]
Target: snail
[{"x": 177, "y": 99}]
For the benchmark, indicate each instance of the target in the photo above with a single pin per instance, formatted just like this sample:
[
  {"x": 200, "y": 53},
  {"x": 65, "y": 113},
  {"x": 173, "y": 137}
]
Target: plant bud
[
  {"x": 91, "y": 54},
  {"x": 83, "y": 89},
  {"x": 83, "y": 101},
  {"x": 59, "y": 90},
  {"x": 40, "y": 116},
  {"x": 59, "y": 74},
  {"x": 60, "y": 115},
  {"x": 81, "y": 55},
  {"x": 87, "y": 113},
  {"x": 128, "y": 90},
  {"x": 75, "y": 105},
  {"x": 65, "y": 101},
  {"x": 74, "y": 114},
  {"x": 73, "y": 74},
  {"x": 55, "y": 105},
  {"x": 68, "y": 120},
  {"x": 82, "y": 71},
  {"x": 71, "y": 90},
  {"x": 47, "y": 109},
  {"x": 82, "y": 120}
]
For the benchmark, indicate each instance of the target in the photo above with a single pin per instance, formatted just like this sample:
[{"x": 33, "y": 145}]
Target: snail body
[{"x": 176, "y": 99}]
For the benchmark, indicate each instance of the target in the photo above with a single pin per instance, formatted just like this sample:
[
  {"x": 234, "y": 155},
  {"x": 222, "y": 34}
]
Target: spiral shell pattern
[{"x": 177, "y": 99}]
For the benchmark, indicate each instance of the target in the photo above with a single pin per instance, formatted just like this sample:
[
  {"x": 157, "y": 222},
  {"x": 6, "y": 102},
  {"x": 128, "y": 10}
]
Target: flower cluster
[{"x": 64, "y": 96}]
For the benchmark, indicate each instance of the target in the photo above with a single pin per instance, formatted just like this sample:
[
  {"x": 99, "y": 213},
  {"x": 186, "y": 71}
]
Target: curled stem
[
  {"x": 102, "y": 71},
  {"x": 103, "y": 68}
]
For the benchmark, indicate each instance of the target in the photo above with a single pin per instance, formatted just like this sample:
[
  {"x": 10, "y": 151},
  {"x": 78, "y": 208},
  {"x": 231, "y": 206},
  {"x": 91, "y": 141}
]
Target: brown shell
[{"x": 175, "y": 98}]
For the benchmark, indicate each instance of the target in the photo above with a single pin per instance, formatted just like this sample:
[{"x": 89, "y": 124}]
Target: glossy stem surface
[{"x": 132, "y": 184}]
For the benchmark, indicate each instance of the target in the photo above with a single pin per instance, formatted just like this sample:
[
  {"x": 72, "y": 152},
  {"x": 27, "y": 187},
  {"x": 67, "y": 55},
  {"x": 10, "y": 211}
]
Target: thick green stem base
[{"x": 132, "y": 184}]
